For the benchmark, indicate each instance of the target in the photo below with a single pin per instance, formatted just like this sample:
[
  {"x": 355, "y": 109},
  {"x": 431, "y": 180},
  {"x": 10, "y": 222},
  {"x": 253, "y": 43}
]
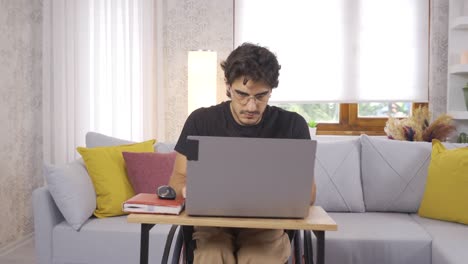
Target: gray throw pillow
[{"x": 72, "y": 190}]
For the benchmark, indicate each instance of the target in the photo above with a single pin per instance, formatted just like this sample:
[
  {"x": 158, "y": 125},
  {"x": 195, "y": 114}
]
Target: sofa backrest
[
  {"x": 366, "y": 173},
  {"x": 94, "y": 139},
  {"x": 393, "y": 173}
]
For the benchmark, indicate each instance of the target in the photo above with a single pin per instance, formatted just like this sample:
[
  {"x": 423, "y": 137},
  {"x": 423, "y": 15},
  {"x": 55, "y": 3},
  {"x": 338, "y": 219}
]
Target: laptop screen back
[{"x": 251, "y": 177}]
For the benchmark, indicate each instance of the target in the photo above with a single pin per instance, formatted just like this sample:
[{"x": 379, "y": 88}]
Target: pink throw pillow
[{"x": 148, "y": 171}]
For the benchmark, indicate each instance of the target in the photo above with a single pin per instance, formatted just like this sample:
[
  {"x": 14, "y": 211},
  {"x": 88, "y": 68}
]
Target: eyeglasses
[{"x": 244, "y": 98}]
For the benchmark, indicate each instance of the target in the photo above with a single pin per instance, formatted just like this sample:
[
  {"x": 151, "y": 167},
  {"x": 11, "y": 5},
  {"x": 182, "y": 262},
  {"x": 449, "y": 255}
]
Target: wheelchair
[{"x": 185, "y": 245}]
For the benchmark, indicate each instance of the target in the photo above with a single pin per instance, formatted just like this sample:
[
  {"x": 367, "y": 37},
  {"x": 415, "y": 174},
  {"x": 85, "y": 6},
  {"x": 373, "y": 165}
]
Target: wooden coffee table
[{"x": 317, "y": 221}]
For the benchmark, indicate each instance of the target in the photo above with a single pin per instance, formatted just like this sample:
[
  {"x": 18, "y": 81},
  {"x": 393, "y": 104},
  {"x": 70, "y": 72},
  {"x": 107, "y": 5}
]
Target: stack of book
[{"x": 150, "y": 203}]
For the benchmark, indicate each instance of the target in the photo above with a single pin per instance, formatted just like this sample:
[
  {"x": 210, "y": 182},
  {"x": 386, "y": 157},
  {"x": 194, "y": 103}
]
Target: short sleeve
[
  {"x": 190, "y": 128},
  {"x": 301, "y": 129}
]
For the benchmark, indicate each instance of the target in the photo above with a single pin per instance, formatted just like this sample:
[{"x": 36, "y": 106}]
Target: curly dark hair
[{"x": 253, "y": 62}]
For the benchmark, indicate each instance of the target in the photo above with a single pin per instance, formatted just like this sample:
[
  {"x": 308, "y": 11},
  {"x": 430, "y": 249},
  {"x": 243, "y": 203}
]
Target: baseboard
[{"x": 16, "y": 244}]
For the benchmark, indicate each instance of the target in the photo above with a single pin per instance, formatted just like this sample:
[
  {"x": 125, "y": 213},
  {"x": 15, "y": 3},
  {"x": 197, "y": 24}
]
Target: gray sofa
[{"x": 371, "y": 187}]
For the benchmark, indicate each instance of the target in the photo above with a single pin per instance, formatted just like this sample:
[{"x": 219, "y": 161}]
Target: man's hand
[
  {"x": 184, "y": 191},
  {"x": 177, "y": 180},
  {"x": 313, "y": 194}
]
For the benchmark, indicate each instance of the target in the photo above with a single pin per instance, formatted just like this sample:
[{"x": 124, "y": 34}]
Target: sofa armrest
[{"x": 46, "y": 216}]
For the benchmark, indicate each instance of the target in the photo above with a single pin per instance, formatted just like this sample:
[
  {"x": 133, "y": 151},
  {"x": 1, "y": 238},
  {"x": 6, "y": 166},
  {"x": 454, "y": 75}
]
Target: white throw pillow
[
  {"x": 338, "y": 176},
  {"x": 73, "y": 192},
  {"x": 394, "y": 173}
]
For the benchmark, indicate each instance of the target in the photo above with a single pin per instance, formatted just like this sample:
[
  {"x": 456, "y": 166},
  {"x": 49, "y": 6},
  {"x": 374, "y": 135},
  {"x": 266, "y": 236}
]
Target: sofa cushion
[
  {"x": 106, "y": 240},
  {"x": 106, "y": 168},
  {"x": 148, "y": 171},
  {"x": 393, "y": 173},
  {"x": 449, "y": 240},
  {"x": 377, "y": 238},
  {"x": 72, "y": 190},
  {"x": 338, "y": 176},
  {"x": 446, "y": 196}
]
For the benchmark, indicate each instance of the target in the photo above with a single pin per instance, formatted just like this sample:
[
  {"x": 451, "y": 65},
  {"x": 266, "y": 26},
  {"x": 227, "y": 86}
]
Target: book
[{"x": 151, "y": 204}]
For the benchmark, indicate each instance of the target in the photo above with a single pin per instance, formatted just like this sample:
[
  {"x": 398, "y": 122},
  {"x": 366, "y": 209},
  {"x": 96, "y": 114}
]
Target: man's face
[{"x": 249, "y": 101}]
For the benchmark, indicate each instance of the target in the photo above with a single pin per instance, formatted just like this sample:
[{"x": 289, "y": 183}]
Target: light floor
[{"x": 24, "y": 254}]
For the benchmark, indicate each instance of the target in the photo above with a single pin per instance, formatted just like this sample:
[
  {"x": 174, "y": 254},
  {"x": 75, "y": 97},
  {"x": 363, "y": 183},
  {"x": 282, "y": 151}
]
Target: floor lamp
[{"x": 202, "y": 65}]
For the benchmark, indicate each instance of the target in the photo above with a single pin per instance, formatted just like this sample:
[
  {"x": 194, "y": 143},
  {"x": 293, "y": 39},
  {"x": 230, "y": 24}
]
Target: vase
[
  {"x": 464, "y": 57},
  {"x": 312, "y": 131},
  {"x": 465, "y": 93}
]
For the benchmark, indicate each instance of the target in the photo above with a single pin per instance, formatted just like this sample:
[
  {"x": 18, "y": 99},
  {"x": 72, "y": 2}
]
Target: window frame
[{"x": 351, "y": 124}]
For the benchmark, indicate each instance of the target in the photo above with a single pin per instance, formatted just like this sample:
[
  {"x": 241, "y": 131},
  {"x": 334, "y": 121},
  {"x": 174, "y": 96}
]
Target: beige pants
[{"x": 234, "y": 245}]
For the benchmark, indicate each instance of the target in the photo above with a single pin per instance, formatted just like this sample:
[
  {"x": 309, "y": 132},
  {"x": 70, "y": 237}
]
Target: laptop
[{"x": 249, "y": 177}]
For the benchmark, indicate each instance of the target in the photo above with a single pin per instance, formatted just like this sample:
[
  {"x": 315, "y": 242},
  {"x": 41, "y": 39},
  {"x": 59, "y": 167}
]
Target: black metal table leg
[
  {"x": 297, "y": 247},
  {"x": 308, "y": 251},
  {"x": 144, "y": 242},
  {"x": 320, "y": 246}
]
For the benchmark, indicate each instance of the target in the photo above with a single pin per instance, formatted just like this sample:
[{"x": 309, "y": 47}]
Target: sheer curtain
[
  {"x": 340, "y": 50},
  {"x": 98, "y": 72}
]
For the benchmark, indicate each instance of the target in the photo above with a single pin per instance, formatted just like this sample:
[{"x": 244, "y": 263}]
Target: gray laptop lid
[{"x": 256, "y": 177}]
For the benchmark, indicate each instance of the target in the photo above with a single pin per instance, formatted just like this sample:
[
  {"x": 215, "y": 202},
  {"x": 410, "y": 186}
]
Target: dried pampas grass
[
  {"x": 440, "y": 129},
  {"x": 418, "y": 127}
]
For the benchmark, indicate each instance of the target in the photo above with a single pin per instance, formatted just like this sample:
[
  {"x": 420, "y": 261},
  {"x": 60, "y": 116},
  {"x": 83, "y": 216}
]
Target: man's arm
[
  {"x": 178, "y": 177},
  {"x": 301, "y": 131},
  {"x": 314, "y": 191}
]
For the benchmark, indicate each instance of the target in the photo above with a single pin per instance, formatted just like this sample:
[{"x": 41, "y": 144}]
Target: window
[
  {"x": 351, "y": 119},
  {"x": 347, "y": 64}
]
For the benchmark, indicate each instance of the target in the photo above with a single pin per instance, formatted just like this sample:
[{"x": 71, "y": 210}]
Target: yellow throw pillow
[
  {"x": 106, "y": 167},
  {"x": 446, "y": 195}
]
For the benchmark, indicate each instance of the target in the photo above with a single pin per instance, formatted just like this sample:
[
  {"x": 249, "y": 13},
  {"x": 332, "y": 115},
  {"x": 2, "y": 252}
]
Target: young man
[{"x": 251, "y": 72}]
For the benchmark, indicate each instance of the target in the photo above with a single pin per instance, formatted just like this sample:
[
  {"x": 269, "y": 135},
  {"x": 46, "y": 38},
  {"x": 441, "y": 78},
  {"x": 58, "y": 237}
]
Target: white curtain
[
  {"x": 98, "y": 73},
  {"x": 341, "y": 50}
]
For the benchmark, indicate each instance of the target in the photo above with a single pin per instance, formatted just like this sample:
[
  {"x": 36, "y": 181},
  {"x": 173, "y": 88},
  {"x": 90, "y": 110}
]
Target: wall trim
[{"x": 8, "y": 248}]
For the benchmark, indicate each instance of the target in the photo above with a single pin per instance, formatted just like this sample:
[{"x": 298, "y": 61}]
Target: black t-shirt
[{"x": 218, "y": 121}]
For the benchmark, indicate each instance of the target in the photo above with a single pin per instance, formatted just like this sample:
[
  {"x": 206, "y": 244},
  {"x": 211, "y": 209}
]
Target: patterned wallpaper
[
  {"x": 191, "y": 25},
  {"x": 20, "y": 114},
  {"x": 438, "y": 64},
  {"x": 438, "y": 57}
]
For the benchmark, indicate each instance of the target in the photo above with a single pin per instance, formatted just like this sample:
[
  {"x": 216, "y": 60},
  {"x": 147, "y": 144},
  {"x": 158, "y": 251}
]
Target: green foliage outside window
[
  {"x": 320, "y": 113},
  {"x": 329, "y": 112},
  {"x": 386, "y": 109}
]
